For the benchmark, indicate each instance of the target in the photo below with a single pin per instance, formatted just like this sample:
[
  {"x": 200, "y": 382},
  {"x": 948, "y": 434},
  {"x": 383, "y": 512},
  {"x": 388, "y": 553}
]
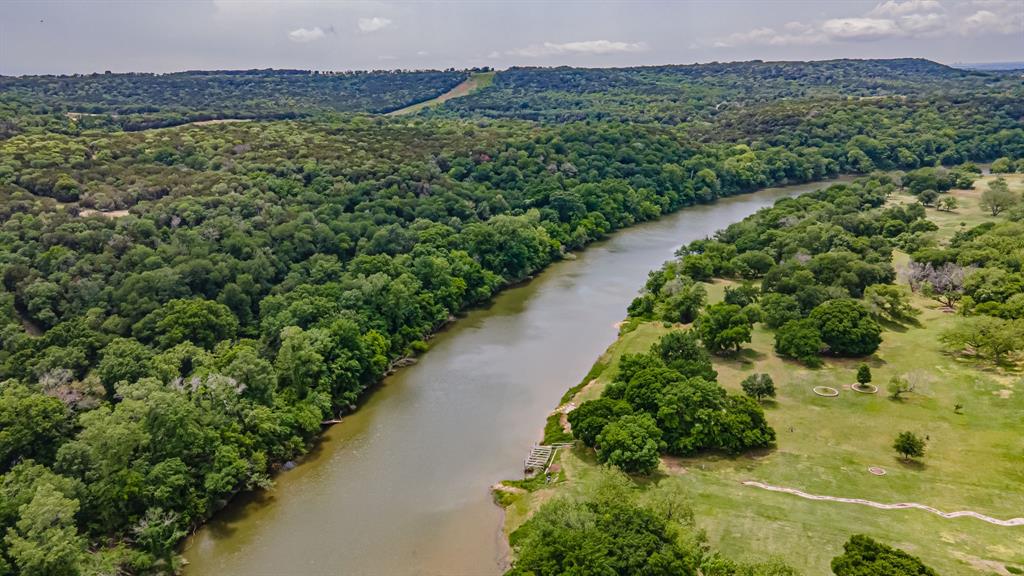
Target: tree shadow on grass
[
  {"x": 912, "y": 464},
  {"x": 745, "y": 357},
  {"x": 1007, "y": 365},
  {"x": 902, "y": 325},
  {"x": 894, "y": 326}
]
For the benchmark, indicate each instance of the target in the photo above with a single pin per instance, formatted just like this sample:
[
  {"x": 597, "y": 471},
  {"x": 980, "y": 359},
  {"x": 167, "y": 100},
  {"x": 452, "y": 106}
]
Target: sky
[{"x": 54, "y": 37}]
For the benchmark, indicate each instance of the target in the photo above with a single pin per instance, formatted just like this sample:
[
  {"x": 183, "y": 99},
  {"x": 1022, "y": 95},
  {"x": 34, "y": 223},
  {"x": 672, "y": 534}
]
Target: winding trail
[{"x": 899, "y": 506}]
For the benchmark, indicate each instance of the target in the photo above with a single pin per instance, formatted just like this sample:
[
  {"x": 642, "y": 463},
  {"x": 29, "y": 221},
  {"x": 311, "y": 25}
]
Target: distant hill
[
  {"x": 138, "y": 101},
  {"x": 668, "y": 94},
  {"x": 678, "y": 93},
  {"x": 990, "y": 65}
]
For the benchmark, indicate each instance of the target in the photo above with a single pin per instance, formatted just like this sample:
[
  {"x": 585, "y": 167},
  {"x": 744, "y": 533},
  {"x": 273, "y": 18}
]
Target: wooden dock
[{"x": 538, "y": 459}]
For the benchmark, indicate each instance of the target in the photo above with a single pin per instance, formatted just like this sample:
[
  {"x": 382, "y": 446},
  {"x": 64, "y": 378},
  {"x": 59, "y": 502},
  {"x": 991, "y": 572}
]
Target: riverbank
[
  {"x": 829, "y": 446},
  {"x": 410, "y": 464}
]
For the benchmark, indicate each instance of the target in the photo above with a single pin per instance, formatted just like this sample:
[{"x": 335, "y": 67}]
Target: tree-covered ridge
[
  {"x": 791, "y": 141},
  {"x": 271, "y": 208},
  {"x": 137, "y": 101},
  {"x": 947, "y": 129},
  {"x": 683, "y": 93}
]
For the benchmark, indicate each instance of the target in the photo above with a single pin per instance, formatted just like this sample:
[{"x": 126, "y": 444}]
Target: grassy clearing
[
  {"x": 475, "y": 81},
  {"x": 968, "y": 213},
  {"x": 825, "y": 446}
]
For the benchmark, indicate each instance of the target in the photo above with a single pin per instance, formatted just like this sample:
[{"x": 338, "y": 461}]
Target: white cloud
[
  {"x": 798, "y": 27},
  {"x": 422, "y": 53},
  {"x": 898, "y": 8},
  {"x": 888, "y": 20},
  {"x": 304, "y": 35},
  {"x": 585, "y": 47},
  {"x": 1004, "y": 21},
  {"x": 797, "y": 34},
  {"x": 919, "y": 24},
  {"x": 981, "y": 18},
  {"x": 860, "y": 28},
  {"x": 373, "y": 24}
]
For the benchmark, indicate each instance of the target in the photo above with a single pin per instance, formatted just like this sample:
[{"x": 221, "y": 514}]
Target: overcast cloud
[{"x": 83, "y": 36}]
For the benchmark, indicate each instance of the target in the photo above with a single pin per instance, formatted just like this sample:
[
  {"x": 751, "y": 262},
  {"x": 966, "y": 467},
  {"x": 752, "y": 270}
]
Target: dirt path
[
  {"x": 899, "y": 506},
  {"x": 109, "y": 213},
  {"x": 481, "y": 80}
]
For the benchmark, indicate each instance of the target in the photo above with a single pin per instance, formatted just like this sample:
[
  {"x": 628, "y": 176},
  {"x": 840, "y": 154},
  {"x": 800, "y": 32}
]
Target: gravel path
[{"x": 899, "y": 506}]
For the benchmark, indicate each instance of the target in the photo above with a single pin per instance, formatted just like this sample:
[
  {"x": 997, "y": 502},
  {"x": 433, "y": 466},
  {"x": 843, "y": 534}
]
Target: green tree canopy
[
  {"x": 846, "y": 328},
  {"x": 45, "y": 541},
  {"x": 758, "y": 386},
  {"x": 590, "y": 417},
  {"x": 724, "y": 327},
  {"x": 630, "y": 443},
  {"x": 864, "y": 556},
  {"x": 800, "y": 340},
  {"x": 909, "y": 445}
]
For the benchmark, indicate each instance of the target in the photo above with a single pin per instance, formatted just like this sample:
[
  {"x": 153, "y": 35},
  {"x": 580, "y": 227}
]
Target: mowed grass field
[{"x": 974, "y": 459}]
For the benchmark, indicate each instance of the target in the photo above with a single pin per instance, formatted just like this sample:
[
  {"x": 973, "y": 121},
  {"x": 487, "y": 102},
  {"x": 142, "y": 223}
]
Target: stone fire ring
[
  {"x": 877, "y": 471},
  {"x": 826, "y": 391}
]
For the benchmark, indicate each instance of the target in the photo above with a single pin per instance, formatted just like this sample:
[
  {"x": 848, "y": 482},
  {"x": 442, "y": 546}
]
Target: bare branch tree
[{"x": 944, "y": 283}]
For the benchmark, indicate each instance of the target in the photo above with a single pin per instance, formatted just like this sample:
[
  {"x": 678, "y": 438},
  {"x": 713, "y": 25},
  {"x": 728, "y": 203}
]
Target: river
[{"x": 401, "y": 486}]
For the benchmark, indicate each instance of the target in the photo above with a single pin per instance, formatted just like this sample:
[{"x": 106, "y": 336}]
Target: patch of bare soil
[
  {"x": 673, "y": 464},
  {"x": 500, "y": 487},
  {"x": 108, "y": 214},
  {"x": 218, "y": 121}
]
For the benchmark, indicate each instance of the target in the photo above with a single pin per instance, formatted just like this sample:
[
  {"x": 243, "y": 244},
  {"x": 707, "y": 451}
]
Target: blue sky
[{"x": 83, "y": 36}]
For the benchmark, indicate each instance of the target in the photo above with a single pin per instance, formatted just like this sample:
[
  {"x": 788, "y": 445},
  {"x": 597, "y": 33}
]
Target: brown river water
[{"x": 401, "y": 486}]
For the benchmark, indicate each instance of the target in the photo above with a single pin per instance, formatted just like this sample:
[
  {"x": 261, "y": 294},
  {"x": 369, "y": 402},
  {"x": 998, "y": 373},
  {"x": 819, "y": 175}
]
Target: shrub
[{"x": 759, "y": 386}]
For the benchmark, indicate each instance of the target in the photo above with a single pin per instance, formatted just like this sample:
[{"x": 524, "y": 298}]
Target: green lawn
[{"x": 974, "y": 460}]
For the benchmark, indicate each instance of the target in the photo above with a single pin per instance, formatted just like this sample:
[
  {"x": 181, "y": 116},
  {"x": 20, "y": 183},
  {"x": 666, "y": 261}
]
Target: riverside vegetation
[
  {"x": 888, "y": 316},
  {"x": 182, "y": 307}
]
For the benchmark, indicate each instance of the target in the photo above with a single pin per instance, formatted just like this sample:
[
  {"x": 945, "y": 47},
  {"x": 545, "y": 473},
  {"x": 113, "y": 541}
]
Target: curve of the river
[{"x": 401, "y": 486}]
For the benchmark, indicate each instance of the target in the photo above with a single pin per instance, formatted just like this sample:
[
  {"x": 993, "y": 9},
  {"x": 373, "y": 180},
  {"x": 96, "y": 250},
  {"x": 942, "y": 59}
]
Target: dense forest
[
  {"x": 687, "y": 93},
  {"x": 142, "y": 101},
  {"x": 181, "y": 308}
]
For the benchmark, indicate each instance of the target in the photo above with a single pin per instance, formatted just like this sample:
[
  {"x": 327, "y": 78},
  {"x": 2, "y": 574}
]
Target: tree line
[{"x": 134, "y": 101}]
